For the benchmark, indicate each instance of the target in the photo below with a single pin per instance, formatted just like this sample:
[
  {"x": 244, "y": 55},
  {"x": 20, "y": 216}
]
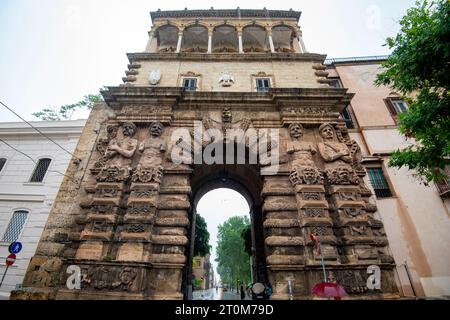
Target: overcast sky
[
  {"x": 216, "y": 207},
  {"x": 55, "y": 51}
]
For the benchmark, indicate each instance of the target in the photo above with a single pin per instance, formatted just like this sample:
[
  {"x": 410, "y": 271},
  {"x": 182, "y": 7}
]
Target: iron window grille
[
  {"x": 443, "y": 186},
  {"x": 2, "y": 163},
  {"x": 379, "y": 183},
  {"x": 15, "y": 226},
  {"x": 190, "y": 84},
  {"x": 262, "y": 85},
  {"x": 40, "y": 170}
]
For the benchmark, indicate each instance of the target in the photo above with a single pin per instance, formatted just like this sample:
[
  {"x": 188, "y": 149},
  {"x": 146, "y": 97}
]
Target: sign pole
[
  {"x": 4, "y": 274},
  {"x": 323, "y": 264}
]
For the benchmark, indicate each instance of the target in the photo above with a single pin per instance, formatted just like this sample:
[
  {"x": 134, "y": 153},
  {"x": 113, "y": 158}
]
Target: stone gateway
[{"x": 126, "y": 215}]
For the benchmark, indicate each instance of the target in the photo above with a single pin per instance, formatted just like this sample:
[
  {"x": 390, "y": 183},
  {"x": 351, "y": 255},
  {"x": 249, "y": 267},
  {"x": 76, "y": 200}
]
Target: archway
[
  {"x": 225, "y": 39},
  {"x": 167, "y": 37},
  {"x": 255, "y": 39},
  {"x": 283, "y": 38},
  {"x": 244, "y": 179},
  {"x": 195, "y": 39}
]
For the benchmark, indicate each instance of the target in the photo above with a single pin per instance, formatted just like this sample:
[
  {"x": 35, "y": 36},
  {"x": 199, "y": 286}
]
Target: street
[{"x": 211, "y": 294}]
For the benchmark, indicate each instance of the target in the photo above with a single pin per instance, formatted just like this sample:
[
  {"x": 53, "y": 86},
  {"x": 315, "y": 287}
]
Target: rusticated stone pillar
[{"x": 284, "y": 239}]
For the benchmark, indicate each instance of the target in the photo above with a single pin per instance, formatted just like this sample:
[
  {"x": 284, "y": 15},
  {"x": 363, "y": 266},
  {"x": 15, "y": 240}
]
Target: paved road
[{"x": 212, "y": 294}]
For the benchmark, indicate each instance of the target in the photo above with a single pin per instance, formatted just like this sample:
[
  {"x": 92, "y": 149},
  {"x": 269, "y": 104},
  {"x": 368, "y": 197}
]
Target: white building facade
[{"x": 31, "y": 171}]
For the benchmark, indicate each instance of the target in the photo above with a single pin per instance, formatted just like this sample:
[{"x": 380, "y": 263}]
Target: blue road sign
[{"x": 15, "y": 247}]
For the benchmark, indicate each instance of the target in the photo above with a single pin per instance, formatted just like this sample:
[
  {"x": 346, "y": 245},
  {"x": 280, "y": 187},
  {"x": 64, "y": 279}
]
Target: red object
[
  {"x": 315, "y": 240},
  {"x": 11, "y": 259},
  {"x": 329, "y": 290}
]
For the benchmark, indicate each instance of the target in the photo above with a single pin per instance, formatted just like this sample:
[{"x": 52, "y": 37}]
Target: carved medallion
[{"x": 154, "y": 77}]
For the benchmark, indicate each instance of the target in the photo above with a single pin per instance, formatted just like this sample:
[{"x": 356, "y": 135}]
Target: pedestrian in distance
[
  {"x": 242, "y": 292},
  {"x": 268, "y": 291}
]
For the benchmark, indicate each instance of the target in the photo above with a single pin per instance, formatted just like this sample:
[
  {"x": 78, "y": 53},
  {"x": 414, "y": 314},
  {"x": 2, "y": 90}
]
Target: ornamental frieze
[
  {"x": 342, "y": 176},
  {"x": 306, "y": 175}
]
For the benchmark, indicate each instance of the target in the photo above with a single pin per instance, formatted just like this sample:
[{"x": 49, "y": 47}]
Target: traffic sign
[
  {"x": 10, "y": 259},
  {"x": 15, "y": 247}
]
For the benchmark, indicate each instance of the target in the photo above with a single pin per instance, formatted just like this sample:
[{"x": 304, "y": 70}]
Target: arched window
[
  {"x": 167, "y": 38},
  {"x": 255, "y": 39},
  {"x": 2, "y": 163},
  {"x": 40, "y": 170},
  {"x": 195, "y": 39},
  {"x": 15, "y": 226},
  {"x": 283, "y": 39},
  {"x": 225, "y": 39}
]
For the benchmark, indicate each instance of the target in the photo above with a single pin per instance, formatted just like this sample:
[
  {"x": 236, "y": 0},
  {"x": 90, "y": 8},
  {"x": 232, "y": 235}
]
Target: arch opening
[
  {"x": 225, "y": 39},
  {"x": 195, "y": 39},
  {"x": 255, "y": 39},
  {"x": 219, "y": 182},
  {"x": 167, "y": 38},
  {"x": 283, "y": 38}
]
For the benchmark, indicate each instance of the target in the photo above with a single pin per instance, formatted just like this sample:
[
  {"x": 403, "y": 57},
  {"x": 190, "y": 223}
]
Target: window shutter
[{"x": 390, "y": 107}]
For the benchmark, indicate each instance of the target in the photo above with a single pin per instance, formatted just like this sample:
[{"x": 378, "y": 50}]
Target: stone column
[
  {"x": 300, "y": 41},
  {"x": 272, "y": 48},
  {"x": 170, "y": 237},
  {"x": 210, "y": 32},
  {"x": 180, "y": 39},
  {"x": 149, "y": 43},
  {"x": 241, "y": 46},
  {"x": 284, "y": 240}
]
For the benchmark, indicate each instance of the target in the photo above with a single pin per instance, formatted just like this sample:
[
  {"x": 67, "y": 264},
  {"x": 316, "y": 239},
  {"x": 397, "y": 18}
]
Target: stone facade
[{"x": 128, "y": 223}]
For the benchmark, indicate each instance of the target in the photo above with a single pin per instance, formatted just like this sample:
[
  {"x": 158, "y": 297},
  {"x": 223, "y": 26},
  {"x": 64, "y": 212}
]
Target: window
[
  {"x": 262, "y": 85},
  {"x": 335, "y": 83},
  {"x": 395, "y": 107},
  {"x": 399, "y": 105},
  {"x": 15, "y": 226},
  {"x": 190, "y": 84},
  {"x": 379, "y": 183},
  {"x": 2, "y": 163},
  {"x": 40, "y": 170},
  {"x": 348, "y": 118}
]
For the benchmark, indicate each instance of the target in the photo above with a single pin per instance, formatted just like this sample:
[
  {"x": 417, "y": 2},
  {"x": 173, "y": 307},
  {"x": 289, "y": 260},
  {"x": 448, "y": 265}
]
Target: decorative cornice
[
  {"x": 227, "y": 13},
  {"x": 279, "y": 97},
  {"x": 281, "y": 56}
]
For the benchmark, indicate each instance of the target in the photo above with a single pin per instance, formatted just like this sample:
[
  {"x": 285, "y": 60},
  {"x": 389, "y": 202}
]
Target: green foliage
[
  {"x": 233, "y": 260},
  {"x": 65, "y": 112},
  {"x": 418, "y": 66},
  {"x": 246, "y": 234},
  {"x": 201, "y": 243}
]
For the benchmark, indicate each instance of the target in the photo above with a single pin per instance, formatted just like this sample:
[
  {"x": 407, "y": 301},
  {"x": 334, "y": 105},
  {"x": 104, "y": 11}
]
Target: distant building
[
  {"x": 28, "y": 187},
  {"x": 202, "y": 272},
  {"x": 415, "y": 216}
]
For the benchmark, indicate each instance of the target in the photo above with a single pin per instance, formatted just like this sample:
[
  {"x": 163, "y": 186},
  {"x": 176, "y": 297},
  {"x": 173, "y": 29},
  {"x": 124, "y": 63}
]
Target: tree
[
  {"x": 201, "y": 242},
  {"x": 233, "y": 261},
  {"x": 65, "y": 112},
  {"x": 246, "y": 234},
  {"x": 418, "y": 66}
]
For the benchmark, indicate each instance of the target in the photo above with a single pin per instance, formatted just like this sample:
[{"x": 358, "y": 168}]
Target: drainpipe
[{"x": 410, "y": 279}]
